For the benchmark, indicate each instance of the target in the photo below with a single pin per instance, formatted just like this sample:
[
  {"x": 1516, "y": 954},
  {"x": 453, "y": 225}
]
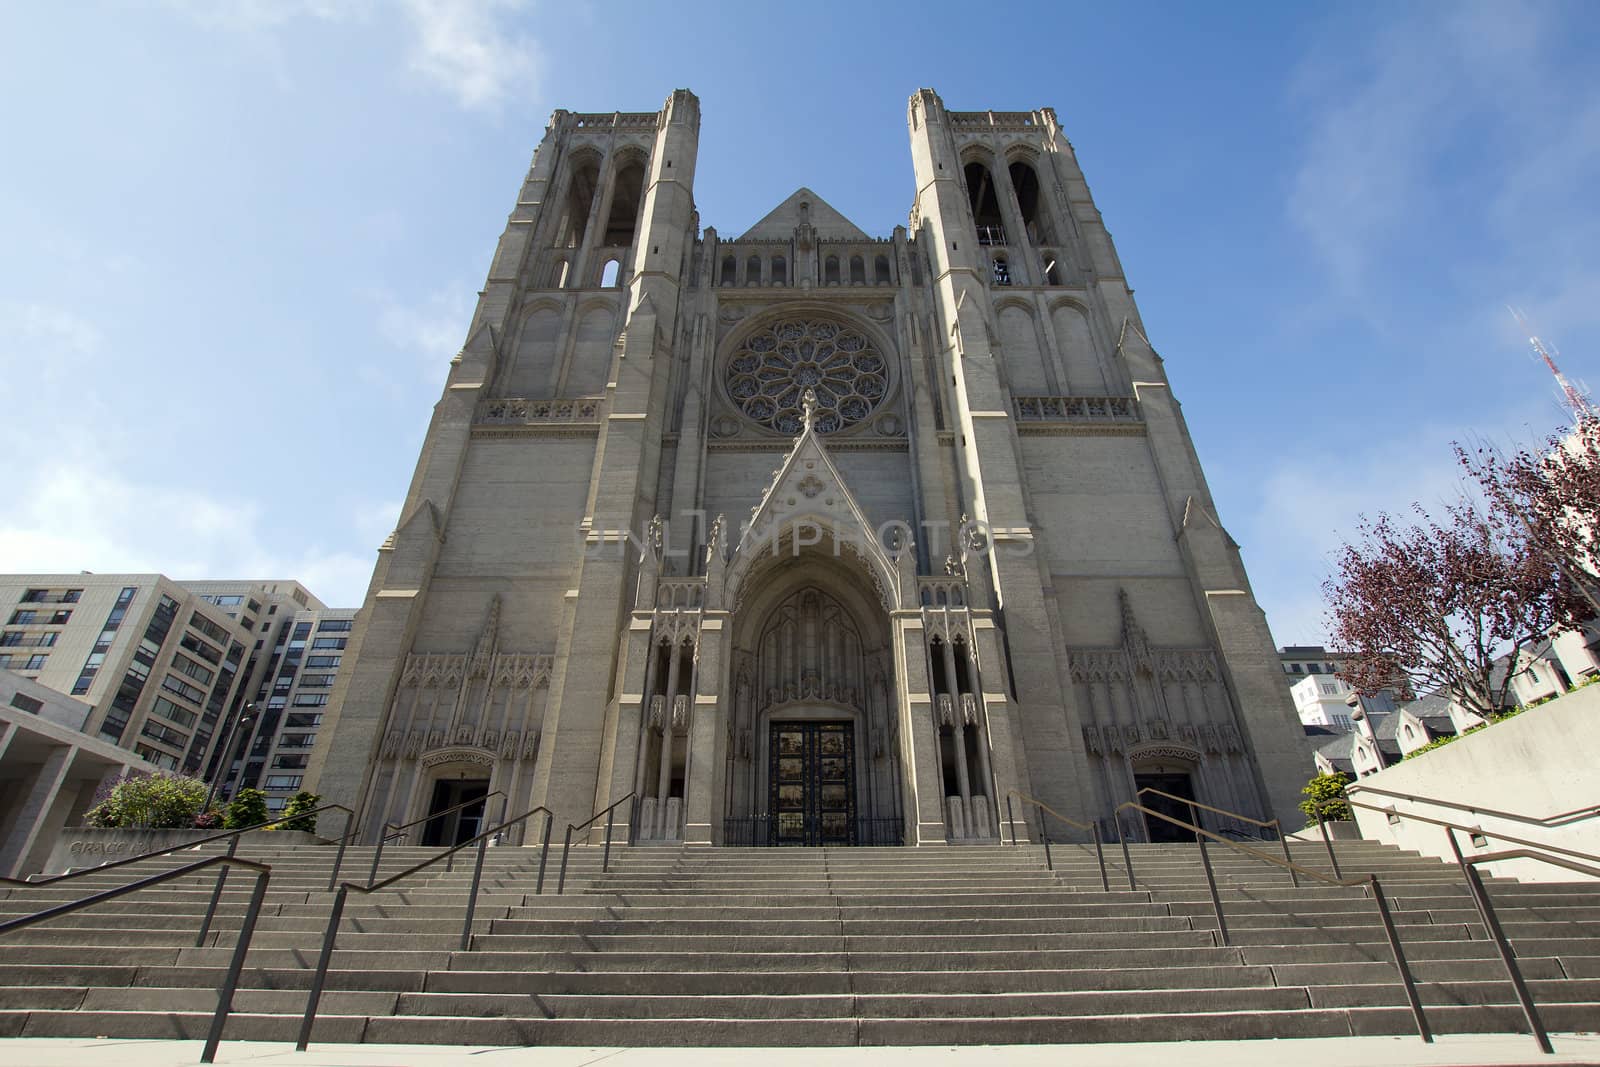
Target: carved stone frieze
[{"x": 458, "y": 755}]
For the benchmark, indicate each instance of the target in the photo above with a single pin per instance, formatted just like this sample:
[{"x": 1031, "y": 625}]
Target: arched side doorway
[
  {"x": 1173, "y": 774},
  {"x": 812, "y": 754},
  {"x": 451, "y": 796}
]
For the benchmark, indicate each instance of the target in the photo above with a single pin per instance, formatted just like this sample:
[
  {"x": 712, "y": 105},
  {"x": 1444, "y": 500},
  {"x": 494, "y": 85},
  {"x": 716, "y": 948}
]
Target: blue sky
[{"x": 240, "y": 239}]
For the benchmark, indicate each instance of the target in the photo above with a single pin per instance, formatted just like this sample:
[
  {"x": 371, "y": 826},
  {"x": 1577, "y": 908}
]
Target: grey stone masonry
[{"x": 807, "y": 536}]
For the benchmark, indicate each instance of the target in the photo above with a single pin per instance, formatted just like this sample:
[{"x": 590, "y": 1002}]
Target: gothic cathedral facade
[{"x": 806, "y": 536}]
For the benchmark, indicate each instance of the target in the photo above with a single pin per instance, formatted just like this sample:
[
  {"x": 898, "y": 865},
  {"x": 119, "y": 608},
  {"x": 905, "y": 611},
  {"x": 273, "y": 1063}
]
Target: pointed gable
[
  {"x": 808, "y": 494},
  {"x": 779, "y": 223}
]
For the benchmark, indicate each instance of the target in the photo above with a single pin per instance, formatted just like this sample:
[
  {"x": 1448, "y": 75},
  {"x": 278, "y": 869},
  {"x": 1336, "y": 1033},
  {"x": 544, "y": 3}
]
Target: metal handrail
[
  {"x": 247, "y": 928},
  {"x": 1369, "y": 881},
  {"x": 187, "y": 845},
  {"x": 222, "y": 875},
  {"x": 1044, "y": 831},
  {"x": 319, "y": 980},
  {"x": 1273, "y": 824},
  {"x": 1532, "y": 850},
  {"x": 1540, "y": 845},
  {"x": 608, "y": 812},
  {"x": 390, "y": 831},
  {"x": 1491, "y": 921},
  {"x": 1575, "y": 815}
]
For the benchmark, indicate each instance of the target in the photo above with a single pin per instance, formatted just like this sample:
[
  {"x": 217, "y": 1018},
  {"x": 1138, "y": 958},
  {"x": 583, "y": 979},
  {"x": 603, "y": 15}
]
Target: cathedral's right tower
[{"x": 1136, "y": 651}]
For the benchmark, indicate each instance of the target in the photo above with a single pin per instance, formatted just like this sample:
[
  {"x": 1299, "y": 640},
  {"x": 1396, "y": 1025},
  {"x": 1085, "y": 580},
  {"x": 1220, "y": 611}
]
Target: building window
[
  {"x": 310, "y": 700},
  {"x": 329, "y": 642},
  {"x": 172, "y": 684},
  {"x": 24, "y": 618},
  {"x": 291, "y": 761},
  {"x": 26, "y": 703},
  {"x": 1002, "y": 271},
  {"x": 168, "y": 710}
]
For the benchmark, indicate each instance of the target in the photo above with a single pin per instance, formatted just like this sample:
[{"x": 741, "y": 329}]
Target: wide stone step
[{"x": 812, "y": 1032}]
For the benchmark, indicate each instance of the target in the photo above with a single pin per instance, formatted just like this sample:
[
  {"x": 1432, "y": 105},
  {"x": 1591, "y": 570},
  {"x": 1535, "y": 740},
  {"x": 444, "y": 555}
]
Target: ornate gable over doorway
[{"x": 808, "y": 506}]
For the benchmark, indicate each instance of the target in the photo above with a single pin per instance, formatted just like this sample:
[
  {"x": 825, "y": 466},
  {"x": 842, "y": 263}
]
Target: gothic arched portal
[{"x": 812, "y": 744}]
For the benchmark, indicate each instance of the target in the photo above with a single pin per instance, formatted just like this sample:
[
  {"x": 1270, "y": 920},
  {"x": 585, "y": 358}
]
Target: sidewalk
[{"x": 1456, "y": 1050}]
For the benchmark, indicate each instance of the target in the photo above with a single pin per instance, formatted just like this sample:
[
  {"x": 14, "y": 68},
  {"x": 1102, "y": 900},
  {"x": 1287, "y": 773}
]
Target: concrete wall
[
  {"x": 1542, "y": 764},
  {"x": 89, "y": 846}
]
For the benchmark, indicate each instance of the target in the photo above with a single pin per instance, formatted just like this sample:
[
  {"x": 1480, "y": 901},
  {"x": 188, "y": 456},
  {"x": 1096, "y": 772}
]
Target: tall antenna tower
[{"x": 1576, "y": 399}]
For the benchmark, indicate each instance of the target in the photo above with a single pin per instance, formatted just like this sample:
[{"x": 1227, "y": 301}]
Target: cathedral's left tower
[{"x": 485, "y": 658}]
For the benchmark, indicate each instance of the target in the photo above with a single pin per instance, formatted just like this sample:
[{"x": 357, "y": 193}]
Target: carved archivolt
[{"x": 454, "y": 755}]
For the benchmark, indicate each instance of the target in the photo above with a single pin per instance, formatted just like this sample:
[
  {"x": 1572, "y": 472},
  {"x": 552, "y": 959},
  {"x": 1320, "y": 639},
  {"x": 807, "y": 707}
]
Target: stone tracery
[{"x": 773, "y": 368}]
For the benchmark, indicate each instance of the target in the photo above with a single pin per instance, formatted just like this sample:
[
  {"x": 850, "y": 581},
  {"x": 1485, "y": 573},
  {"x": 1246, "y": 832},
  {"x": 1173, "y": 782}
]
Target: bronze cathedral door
[{"x": 811, "y": 777}]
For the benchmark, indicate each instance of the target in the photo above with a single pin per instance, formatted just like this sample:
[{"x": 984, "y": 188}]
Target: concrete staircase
[{"x": 973, "y": 945}]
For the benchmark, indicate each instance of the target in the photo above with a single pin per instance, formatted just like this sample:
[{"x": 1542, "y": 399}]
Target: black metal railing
[
  {"x": 1044, "y": 831},
  {"x": 1272, "y": 826},
  {"x": 1369, "y": 882},
  {"x": 1538, "y": 851},
  {"x": 1558, "y": 819},
  {"x": 222, "y": 876},
  {"x": 760, "y": 831},
  {"x": 395, "y": 833},
  {"x": 247, "y": 928},
  {"x": 609, "y": 811},
  {"x": 330, "y": 935}
]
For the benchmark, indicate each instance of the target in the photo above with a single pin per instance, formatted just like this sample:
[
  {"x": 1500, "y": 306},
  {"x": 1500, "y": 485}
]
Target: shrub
[
  {"x": 247, "y": 808},
  {"x": 208, "y": 820},
  {"x": 150, "y": 802},
  {"x": 1327, "y": 792},
  {"x": 297, "y": 813}
]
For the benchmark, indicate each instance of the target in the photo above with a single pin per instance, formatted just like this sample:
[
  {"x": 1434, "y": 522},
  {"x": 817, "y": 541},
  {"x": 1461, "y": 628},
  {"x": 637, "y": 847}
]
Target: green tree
[
  {"x": 1326, "y": 791},
  {"x": 150, "y": 802},
  {"x": 297, "y": 812},
  {"x": 247, "y": 808}
]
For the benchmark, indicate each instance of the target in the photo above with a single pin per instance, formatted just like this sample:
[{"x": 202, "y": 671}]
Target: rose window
[{"x": 771, "y": 371}]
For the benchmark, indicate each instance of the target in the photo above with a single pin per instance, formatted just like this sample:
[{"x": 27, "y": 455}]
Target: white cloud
[
  {"x": 1378, "y": 128},
  {"x": 468, "y": 49},
  {"x": 247, "y": 16},
  {"x": 76, "y": 512},
  {"x": 28, "y": 329},
  {"x": 433, "y": 327},
  {"x": 1310, "y": 505}
]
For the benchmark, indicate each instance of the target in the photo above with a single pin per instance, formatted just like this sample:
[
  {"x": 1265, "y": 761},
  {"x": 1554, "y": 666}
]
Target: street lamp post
[{"x": 246, "y": 716}]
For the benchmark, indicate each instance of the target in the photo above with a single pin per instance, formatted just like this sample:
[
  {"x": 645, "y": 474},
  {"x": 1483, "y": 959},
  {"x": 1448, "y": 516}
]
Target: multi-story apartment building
[
  {"x": 1298, "y": 661},
  {"x": 291, "y": 702},
  {"x": 283, "y": 615},
  {"x": 158, "y": 665}
]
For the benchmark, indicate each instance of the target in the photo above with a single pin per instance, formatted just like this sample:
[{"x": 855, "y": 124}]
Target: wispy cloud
[
  {"x": 1309, "y": 506},
  {"x": 469, "y": 49},
  {"x": 26, "y": 328},
  {"x": 473, "y": 50},
  {"x": 77, "y": 510},
  {"x": 433, "y": 327},
  {"x": 1380, "y": 125}
]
